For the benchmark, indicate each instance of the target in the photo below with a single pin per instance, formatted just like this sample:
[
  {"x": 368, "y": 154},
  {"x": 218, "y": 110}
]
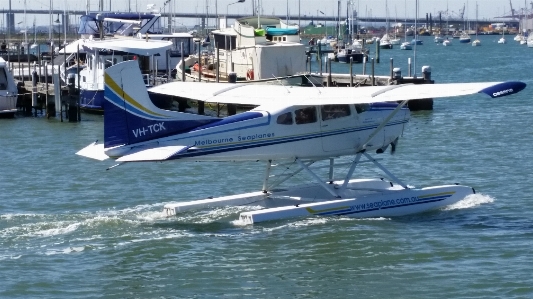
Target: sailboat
[
  {"x": 396, "y": 40},
  {"x": 464, "y": 38},
  {"x": 34, "y": 45},
  {"x": 25, "y": 42},
  {"x": 502, "y": 39},
  {"x": 447, "y": 42},
  {"x": 476, "y": 42},
  {"x": 385, "y": 41},
  {"x": 406, "y": 45}
]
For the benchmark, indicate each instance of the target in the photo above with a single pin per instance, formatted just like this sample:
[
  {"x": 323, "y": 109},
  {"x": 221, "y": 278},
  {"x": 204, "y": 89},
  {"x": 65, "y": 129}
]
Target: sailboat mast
[
  {"x": 50, "y": 25},
  {"x": 25, "y": 26},
  {"x": 65, "y": 18},
  {"x": 416, "y": 38}
]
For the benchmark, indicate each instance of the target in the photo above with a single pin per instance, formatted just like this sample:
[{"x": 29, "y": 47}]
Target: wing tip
[{"x": 504, "y": 89}]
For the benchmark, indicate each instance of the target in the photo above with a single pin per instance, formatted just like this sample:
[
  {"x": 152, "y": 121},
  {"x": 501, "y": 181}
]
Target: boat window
[
  {"x": 175, "y": 49},
  {"x": 3, "y": 79},
  {"x": 305, "y": 115},
  {"x": 109, "y": 62},
  {"x": 360, "y": 108},
  {"x": 225, "y": 42},
  {"x": 335, "y": 111},
  {"x": 285, "y": 119}
]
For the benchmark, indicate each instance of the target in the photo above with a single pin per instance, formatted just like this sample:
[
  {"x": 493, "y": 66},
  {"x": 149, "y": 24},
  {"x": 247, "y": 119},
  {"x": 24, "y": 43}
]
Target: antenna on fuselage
[
  {"x": 281, "y": 83},
  {"x": 312, "y": 83}
]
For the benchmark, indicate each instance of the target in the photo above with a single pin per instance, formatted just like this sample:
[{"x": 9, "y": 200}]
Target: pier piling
[
  {"x": 329, "y": 72},
  {"x": 72, "y": 111},
  {"x": 182, "y": 63},
  {"x": 232, "y": 108},
  {"x": 351, "y": 71},
  {"x": 34, "y": 89},
  {"x": 391, "y": 68},
  {"x": 377, "y": 51},
  {"x": 373, "y": 75}
]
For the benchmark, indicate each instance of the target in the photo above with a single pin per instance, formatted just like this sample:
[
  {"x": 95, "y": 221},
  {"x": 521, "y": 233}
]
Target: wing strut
[
  {"x": 383, "y": 124},
  {"x": 324, "y": 185},
  {"x": 266, "y": 188},
  {"x": 392, "y": 176},
  {"x": 350, "y": 172}
]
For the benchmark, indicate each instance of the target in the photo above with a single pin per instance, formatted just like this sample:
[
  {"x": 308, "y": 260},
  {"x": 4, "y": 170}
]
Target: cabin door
[{"x": 337, "y": 125}]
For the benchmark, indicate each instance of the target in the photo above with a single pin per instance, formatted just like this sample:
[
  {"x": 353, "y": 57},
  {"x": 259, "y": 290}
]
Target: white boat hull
[
  {"x": 8, "y": 91},
  {"x": 363, "y": 198}
]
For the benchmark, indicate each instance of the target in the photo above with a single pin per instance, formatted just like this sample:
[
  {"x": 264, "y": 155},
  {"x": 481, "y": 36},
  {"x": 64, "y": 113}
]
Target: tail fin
[{"x": 130, "y": 116}]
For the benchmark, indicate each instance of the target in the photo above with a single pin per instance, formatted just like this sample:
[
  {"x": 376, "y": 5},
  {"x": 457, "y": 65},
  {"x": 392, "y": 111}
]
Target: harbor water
[{"x": 71, "y": 229}]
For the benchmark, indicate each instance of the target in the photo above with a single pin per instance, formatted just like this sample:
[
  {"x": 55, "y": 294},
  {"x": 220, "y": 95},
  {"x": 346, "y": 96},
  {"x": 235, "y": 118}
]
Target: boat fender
[{"x": 250, "y": 75}]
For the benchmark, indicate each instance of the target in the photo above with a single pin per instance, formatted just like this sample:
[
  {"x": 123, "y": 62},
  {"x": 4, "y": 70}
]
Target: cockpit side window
[
  {"x": 305, "y": 115},
  {"x": 334, "y": 111},
  {"x": 360, "y": 108},
  {"x": 285, "y": 119}
]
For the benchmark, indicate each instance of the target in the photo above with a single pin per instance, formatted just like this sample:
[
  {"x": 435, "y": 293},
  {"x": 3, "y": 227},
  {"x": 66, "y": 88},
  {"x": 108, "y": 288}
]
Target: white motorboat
[
  {"x": 8, "y": 91},
  {"x": 439, "y": 39},
  {"x": 529, "y": 41},
  {"x": 355, "y": 51},
  {"x": 406, "y": 46},
  {"x": 124, "y": 37}
]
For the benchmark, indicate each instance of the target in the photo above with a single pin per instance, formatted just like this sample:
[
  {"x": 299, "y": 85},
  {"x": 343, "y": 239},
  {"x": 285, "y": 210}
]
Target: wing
[{"x": 247, "y": 94}]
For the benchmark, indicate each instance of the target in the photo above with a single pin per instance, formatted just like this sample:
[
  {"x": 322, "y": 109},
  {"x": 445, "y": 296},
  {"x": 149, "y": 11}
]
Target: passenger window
[
  {"x": 335, "y": 111},
  {"x": 285, "y": 119},
  {"x": 305, "y": 115},
  {"x": 360, "y": 108}
]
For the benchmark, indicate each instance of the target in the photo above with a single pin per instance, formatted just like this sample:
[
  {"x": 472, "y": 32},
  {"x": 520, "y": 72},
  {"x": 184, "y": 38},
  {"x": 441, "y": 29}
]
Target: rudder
[{"x": 130, "y": 116}]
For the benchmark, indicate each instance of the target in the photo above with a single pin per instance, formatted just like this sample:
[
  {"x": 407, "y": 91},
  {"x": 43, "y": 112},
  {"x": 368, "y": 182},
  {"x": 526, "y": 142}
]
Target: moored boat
[
  {"x": 406, "y": 46},
  {"x": 254, "y": 48},
  {"x": 355, "y": 51},
  {"x": 8, "y": 91},
  {"x": 464, "y": 38}
]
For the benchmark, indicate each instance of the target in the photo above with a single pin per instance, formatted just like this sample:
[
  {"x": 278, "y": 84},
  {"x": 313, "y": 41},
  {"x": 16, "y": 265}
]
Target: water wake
[{"x": 470, "y": 201}]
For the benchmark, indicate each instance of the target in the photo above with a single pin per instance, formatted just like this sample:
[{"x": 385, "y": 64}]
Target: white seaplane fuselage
[{"x": 264, "y": 133}]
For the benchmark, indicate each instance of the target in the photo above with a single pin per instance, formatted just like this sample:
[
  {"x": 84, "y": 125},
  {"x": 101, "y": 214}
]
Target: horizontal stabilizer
[
  {"x": 154, "y": 154},
  {"x": 93, "y": 151}
]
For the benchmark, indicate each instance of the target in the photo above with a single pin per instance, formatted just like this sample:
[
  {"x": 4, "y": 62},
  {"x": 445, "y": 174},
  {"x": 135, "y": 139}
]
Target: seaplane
[{"x": 309, "y": 128}]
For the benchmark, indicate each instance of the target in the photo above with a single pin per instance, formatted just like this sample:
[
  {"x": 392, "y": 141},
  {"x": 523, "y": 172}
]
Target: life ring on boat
[{"x": 250, "y": 75}]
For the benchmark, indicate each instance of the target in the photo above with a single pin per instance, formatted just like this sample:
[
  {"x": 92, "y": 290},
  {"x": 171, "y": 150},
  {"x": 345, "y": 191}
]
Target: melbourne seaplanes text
[{"x": 231, "y": 139}]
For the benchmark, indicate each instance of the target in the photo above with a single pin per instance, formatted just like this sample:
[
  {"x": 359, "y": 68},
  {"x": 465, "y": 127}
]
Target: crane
[
  {"x": 512, "y": 9},
  {"x": 462, "y": 12}
]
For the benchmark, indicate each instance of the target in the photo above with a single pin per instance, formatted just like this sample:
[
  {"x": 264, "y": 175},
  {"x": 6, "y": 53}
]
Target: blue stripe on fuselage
[{"x": 281, "y": 140}]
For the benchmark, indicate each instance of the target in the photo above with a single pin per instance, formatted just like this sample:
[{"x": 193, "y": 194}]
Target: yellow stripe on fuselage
[{"x": 437, "y": 194}]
